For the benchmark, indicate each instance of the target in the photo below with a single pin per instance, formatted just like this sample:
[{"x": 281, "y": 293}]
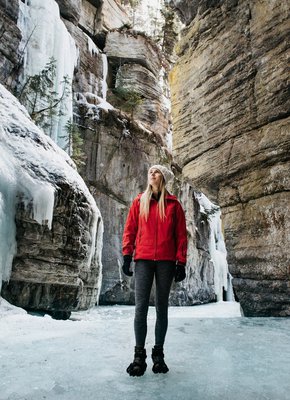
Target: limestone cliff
[{"x": 230, "y": 95}]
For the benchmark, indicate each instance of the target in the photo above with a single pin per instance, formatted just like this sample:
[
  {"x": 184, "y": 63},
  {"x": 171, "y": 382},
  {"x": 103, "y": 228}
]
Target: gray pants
[{"x": 145, "y": 270}]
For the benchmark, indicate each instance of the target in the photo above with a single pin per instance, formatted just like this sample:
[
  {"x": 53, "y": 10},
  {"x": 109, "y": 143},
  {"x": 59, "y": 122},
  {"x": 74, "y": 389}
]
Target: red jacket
[{"x": 156, "y": 239}]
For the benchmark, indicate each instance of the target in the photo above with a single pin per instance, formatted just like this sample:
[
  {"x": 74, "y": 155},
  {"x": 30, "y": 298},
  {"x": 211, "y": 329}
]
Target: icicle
[
  {"x": 105, "y": 73},
  {"x": 93, "y": 49},
  {"x": 98, "y": 250}
]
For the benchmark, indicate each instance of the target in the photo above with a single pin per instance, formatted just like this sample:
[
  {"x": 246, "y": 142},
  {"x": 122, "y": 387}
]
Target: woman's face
[{"x": 154, "y": 177}]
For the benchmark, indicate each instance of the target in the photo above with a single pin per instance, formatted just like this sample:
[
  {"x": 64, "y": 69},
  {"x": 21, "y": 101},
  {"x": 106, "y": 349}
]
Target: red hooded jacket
[{"x": 156, "y": 239}]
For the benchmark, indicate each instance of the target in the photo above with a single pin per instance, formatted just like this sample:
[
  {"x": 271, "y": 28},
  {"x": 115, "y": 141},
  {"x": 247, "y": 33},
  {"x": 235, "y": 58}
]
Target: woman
[{"x": 155, "y": 232}]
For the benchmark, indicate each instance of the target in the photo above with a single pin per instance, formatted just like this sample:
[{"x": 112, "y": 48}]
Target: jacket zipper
[{"x": 156, "y": 233}]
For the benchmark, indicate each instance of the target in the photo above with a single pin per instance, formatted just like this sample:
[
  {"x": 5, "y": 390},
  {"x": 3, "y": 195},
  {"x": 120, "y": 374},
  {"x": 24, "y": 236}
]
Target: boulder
[{"x": 231, "y": 137}]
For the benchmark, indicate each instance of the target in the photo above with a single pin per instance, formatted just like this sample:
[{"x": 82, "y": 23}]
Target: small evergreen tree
[
  {"x": 130, "y": 99},
  {"x": 38, "y": 95},
  {"x": 75, "y": 144}
]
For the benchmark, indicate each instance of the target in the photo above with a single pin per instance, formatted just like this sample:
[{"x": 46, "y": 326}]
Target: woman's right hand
[{"x": 126, "y": 265}]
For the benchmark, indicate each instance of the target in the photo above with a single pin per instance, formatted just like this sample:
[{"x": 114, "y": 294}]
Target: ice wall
[
  {"x": 217, "y": 248},
  {"x": 30, "y": 164},
  {"x": 45, "y": 37}
]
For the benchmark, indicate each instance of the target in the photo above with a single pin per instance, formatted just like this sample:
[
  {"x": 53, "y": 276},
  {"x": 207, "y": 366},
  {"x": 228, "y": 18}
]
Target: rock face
[
  {"x": 70, "y": 9},
  {"x": 99, "y": 17},
  {"x": 153, "y": 109},
  {"x": 116, "y": 171},
  {"x": 89, "y": 69},
  {"x": 10, "y": 39},
  {"x": 186, "y": 9},
  {"x": 57, "y": 264},
  {"x": 128, "y": 47},
  {"x": 231, "y": 137},
  {"x": 119, "y": 146},
  {"x": 135, "y": 64},
  {"x": 198, "y": 286}
]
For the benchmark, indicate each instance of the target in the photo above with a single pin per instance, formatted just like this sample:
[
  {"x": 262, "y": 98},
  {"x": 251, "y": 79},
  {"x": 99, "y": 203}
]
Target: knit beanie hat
[{"x": 167, "y": 174}]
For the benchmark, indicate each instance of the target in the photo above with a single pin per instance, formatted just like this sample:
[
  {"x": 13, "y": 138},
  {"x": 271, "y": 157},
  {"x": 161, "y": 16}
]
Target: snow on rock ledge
[{"x": 54, "y": 263}]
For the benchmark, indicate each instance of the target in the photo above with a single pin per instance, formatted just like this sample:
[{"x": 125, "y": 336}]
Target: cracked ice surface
[{"x": 212, "y": 353}]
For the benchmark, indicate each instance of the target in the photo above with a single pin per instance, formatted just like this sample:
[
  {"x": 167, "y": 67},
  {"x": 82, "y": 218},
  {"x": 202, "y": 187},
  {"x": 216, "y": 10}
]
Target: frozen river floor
[{"x": 212, "y": 354}]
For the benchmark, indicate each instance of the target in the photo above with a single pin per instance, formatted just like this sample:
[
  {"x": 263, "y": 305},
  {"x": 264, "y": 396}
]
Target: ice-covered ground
[{"x": 212, "y": 353}]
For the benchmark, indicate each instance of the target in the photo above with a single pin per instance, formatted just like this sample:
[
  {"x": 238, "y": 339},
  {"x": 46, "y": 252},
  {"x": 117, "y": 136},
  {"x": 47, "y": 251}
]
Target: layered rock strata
[
  {"x": 230, "y": 95},
  {"x": 136, "y": 67},
  {"x": 99, "y": 17}
]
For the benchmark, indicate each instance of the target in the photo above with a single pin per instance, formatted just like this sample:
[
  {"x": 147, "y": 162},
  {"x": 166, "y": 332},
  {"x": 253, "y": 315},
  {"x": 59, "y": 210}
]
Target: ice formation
[
  {"x": 29, "y": 162},
  {"x": 44, "y": 36},
  {"x": 217, "y": 249},
  {"x": 103, "y": 100},
  {"x": 93, "y": 49}
]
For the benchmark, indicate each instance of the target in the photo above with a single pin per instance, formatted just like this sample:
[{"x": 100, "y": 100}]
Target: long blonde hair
[{"x": 146, "y": 197}]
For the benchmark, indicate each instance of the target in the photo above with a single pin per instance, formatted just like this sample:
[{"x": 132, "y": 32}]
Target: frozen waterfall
[
  {"x": 45, "y": 37},
  {"x": 217, "y": 248}
]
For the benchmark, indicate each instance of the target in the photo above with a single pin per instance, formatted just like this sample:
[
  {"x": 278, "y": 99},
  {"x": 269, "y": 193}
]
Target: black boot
[
  {"x": 159, "y": 365},
  {"x": 138, "y": 366}
]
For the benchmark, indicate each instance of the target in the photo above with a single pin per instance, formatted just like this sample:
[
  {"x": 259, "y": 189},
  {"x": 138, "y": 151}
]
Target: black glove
[
  {"x": 179, "y": 272},
  {"x": 126, "y": 265}
]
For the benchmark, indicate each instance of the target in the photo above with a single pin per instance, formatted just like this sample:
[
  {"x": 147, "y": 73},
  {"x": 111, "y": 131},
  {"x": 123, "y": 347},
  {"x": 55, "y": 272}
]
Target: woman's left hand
[{"x": 180, "y": 272}]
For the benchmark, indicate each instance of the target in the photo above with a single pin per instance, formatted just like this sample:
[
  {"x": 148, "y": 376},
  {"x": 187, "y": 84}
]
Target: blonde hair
[{"x": 146, "y": 197}]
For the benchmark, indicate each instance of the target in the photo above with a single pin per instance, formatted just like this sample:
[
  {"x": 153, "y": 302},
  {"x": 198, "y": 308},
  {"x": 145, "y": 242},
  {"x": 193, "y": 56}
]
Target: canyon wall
[
  {"x": 231, "y": 107},
  {"x": 115, "y": 122}
]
